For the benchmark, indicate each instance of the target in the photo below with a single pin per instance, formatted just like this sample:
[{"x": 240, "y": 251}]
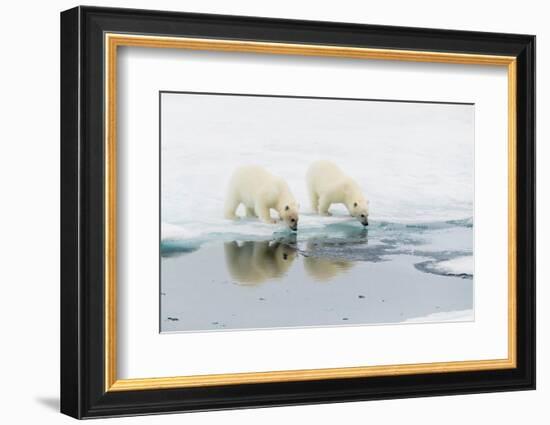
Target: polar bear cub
[
  {"x": 260, "y": 191},
  {"x": 327, "y": 184}
]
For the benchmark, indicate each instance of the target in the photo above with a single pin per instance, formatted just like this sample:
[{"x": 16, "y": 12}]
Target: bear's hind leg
[
  {"x": 231, "y": 205},
  {"x": 314, "y": 199},
  {"x": 324, "y": 205}
]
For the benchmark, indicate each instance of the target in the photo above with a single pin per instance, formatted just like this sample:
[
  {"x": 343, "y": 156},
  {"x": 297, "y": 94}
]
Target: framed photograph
[{"x": 261, "y": 212}]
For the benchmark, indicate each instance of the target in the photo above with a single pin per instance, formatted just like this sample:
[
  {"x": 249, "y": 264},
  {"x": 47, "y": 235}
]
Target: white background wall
[{"x": 29, "y": 224}]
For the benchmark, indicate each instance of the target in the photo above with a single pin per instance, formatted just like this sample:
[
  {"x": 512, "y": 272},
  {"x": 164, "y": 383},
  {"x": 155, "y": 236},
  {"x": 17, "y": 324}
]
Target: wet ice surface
[{"x": 335, "y": 274}]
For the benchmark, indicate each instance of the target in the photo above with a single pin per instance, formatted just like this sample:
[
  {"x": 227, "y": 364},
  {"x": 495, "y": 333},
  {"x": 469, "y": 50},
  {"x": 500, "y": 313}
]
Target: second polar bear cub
[
  {"x": 327, "y": 184},
  {"x": 260, "y": 191}
]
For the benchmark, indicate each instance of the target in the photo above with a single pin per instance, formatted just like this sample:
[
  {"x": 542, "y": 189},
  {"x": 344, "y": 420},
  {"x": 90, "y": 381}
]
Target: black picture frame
[{"x": 83, "y": 392}]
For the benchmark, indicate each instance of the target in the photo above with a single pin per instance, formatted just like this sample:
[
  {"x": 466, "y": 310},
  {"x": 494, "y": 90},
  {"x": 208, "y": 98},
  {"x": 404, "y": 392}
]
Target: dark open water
[{"x": 340, "y": 275}]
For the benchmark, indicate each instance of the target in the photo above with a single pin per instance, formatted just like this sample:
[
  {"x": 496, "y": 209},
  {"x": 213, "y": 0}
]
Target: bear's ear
[
  {"x": 355, "y": 204},
  {"x": 287, "y": 208}
]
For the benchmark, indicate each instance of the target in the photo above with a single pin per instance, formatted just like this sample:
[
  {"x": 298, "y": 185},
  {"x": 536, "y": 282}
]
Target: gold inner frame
[{"x": 113, "y": 41}]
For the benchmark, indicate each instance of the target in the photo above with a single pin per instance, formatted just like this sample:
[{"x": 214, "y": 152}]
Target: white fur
[
  {"x": 328, "y": 184},
  {"x": 260, "y": 191}
]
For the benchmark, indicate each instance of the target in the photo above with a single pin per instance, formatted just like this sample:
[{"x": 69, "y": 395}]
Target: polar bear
[
  {"x": 250, "y": 263},
  {"x": 327, "y": 184},
  {"x": 260, "y": 191}
]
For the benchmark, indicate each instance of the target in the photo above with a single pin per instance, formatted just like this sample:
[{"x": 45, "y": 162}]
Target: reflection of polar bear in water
[
  {"x": 323, "y": 269},
  {"x": 256, "y": 262},
  {"x": 327, "y": 184},
  {"x": 260, "y": 191}
]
